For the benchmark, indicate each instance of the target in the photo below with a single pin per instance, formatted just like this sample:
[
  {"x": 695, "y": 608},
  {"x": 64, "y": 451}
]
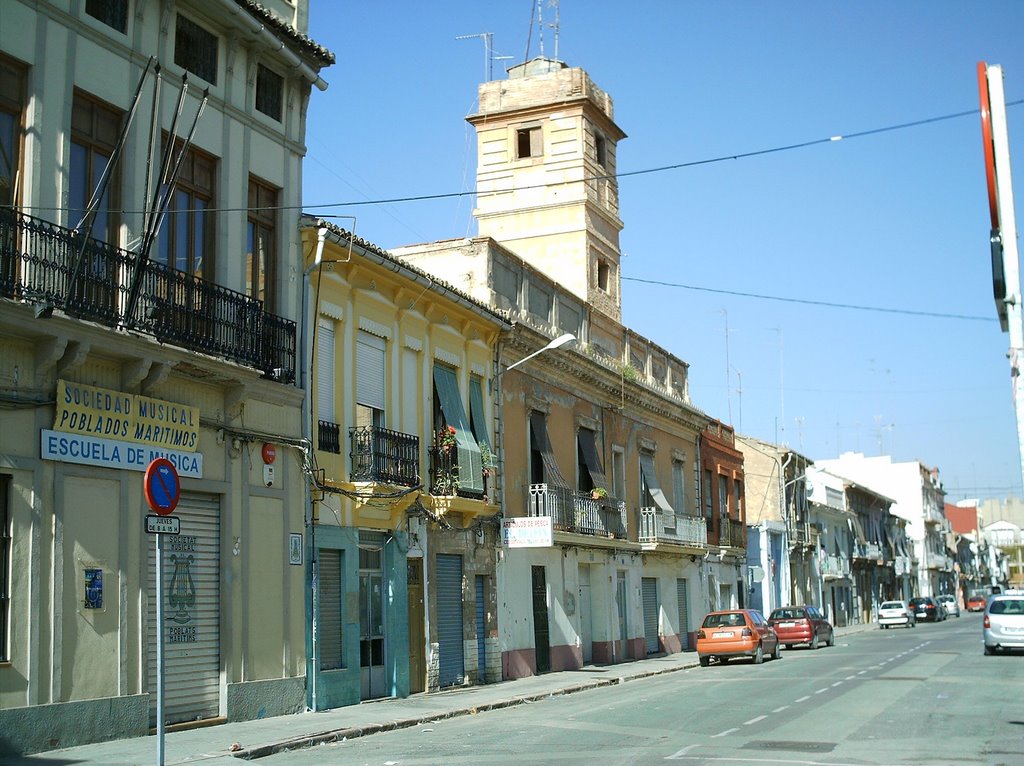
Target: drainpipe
[{"x": 307, "y": 426}]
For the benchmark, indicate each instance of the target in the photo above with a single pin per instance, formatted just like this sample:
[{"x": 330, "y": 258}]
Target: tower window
[
  {"x": 603, "y": 275},
  {"x": 529, "y": 143},
  {"x": 601, "y": 149}
]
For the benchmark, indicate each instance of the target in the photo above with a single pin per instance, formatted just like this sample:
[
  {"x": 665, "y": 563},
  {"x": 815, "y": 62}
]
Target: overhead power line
[
  {"x": 585, "y": 179},
  {"x": 809, "y": 302}
]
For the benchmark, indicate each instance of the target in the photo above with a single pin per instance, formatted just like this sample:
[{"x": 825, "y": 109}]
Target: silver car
[
  {"x": 1003, "y": 626},
  {"x": 949, "y": 601}
]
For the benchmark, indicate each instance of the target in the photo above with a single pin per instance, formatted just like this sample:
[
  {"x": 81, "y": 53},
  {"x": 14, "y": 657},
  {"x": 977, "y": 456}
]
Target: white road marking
[
  {"x": 821, "y": 691},
  {"x": 725, "y": 733},
  {"x": 837, "y": 683},
  {"x": 754, "y": 720},
  {"x": 804, "y": 699},
  {"x": 780, "y": 709}
]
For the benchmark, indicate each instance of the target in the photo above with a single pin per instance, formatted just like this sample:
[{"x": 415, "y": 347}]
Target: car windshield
[
  {"x": 1007, "y": 606},
  {"x": 946, "y": 598},
  {"x": 788, "y": 614},
  {"x": 919, "y": 602},
  {"x": 892, "y": 605},
  {"x": 730, "y": 619}
]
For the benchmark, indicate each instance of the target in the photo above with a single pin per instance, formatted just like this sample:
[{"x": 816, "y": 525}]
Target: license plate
[
  {"x": 722, "y": 634},
  {"x": 787, "y": 624},
  {"x": 922, "y": 614},
  {"x": 1013, "y": 630}
]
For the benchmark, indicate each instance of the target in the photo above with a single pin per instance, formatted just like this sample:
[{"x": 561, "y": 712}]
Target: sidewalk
[{"x": 255, "y": 739}]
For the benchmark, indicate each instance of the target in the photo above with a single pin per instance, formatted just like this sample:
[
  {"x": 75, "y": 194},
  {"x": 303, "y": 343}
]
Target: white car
[
  {"x": 1003, "y": 626},
  {"x": 896, "y": 613},
  {"x": 952, "y": 605}
]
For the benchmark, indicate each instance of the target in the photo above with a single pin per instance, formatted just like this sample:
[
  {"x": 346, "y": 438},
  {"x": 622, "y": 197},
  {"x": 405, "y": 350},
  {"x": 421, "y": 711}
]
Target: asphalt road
[{"x": 926, "y": 696}]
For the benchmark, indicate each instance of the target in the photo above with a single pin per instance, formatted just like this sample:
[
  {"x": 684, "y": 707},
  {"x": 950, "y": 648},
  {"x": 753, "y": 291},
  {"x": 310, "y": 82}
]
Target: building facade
[
  {"x": 146, "y": 312},
  {"x": 598, "y": 440},
  {"x": 404, "y": 509}
]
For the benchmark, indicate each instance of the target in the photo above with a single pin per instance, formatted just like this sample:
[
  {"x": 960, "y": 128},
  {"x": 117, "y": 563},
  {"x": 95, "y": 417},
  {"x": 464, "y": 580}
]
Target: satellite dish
[{"x": 757, "y": 573}]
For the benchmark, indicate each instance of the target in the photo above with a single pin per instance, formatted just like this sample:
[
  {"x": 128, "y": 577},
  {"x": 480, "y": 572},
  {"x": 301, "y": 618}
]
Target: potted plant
[{"x": 598, "y": 493}]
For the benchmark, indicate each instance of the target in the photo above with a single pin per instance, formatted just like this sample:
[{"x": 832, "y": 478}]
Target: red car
[
  {"x": 801, "y": 625},
  {"x": 975, "y": 603}
]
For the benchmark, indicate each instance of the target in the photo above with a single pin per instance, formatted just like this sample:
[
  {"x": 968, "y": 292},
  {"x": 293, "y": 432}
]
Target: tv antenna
[
  {"x": 539, "y": 21},
  {"x": 489, "y": 57}
]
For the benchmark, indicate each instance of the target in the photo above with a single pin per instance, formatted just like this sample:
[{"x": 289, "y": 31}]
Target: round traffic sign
[
  {"x": 162, "y": 486},
  {"x": 269, "y": 453}
]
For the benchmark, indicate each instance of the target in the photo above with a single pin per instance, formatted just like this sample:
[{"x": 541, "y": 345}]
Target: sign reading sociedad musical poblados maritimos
[{"x": 103, "y": 413}]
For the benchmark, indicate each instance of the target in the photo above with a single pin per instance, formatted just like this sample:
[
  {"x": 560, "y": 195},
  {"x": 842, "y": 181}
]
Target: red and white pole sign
[{"x": 162, "y": 486}]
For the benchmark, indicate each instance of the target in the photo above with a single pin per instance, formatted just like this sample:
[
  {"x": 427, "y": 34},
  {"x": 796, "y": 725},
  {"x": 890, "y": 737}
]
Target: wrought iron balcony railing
[
  {"x": 578, "y": 512},
  {"x": 444, "y": 475},
  {"x": 56, "y": 268},
  {"x": 657, "y": 526},
  {"x": 834, "y": 567},
  {"x": 734, "y": 534},
  {"x": 384, "y": 456},
  {"x": 328, "y": 436}
]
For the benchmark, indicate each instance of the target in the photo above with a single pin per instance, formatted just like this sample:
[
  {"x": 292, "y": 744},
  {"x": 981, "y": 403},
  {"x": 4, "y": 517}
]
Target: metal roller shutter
[
  {"x": 329, "y": 595},
  {"x": 191, "y": 576},
  {"x": 325, "y": 371},
  {"x": 451, "y": 660},
  {"x": 684, "y": 618},
  {"x": 649, "y": 587}
]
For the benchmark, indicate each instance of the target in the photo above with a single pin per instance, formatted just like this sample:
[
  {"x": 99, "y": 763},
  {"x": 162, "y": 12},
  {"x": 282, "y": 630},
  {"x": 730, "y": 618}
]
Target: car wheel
[
  {"x": 704, "y": 661},
  {"x": 831, "y": 638},
  {"x": 883, "y": 627},
  {"x": 789, "y": 646},
  {"x": 814, "y": 642},
  {"x": 759, "y": 655},
  {"x": 777, "y": 652},
  {"x": 989, "y": 650}
]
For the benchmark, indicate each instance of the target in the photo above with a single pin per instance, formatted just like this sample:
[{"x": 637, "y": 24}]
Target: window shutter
[
  {"x": 370, "y": 370},
  {"x": 325, "y": 371}
]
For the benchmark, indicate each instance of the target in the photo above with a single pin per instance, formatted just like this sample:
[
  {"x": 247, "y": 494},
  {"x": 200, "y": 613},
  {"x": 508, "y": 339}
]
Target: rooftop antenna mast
[
  {"x": 554, "y": 25},
  {"x": 489, "y": 57}
]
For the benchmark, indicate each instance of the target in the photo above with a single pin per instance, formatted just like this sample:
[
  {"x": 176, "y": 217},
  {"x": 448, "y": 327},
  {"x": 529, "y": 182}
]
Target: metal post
[{"x": 160, "y": 650}]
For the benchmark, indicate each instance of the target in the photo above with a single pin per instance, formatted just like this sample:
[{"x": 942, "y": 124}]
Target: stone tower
[{"x": 546, "y": 186}]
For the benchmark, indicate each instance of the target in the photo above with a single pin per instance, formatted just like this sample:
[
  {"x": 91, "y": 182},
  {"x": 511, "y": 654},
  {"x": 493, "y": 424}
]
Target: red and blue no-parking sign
[{"x": 162, "y": 486}]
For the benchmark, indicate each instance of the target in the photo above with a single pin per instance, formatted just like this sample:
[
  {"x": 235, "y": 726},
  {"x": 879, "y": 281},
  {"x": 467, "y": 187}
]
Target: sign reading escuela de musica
[{"x": 107, "y": 414}]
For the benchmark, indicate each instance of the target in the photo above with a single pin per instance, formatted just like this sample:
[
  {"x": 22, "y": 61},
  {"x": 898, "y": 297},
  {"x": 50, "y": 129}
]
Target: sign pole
[
  {"x": 162, "y": 489},
  {"x": 160, "y": 650}
]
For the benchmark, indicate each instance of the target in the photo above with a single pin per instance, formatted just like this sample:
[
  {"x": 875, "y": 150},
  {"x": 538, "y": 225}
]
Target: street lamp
[{"x": 558, "y": 342}]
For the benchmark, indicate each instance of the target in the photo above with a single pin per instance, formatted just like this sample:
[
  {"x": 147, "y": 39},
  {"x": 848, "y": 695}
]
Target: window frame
[
  {"x": 261, "y": 225},
  {"x": 93, "y": 143},
  {"x": 167, "y": 251},
  {"x": 188, "y": 53},
  {"x": 528, "y": 139},
  {"x": 13, "y": 103},
  {"x": 111, "y": 13},
  {"x": 265, "y": 79}
]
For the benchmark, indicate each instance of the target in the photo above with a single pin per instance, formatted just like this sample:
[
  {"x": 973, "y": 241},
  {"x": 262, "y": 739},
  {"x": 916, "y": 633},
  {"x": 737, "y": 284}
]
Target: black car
[{"x": 927, "y": 608}]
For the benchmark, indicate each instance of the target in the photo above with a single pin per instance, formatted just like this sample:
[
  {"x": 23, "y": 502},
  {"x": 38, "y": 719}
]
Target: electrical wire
[
  {"x": 809, "y": 302},
  {"x": 587, "y": 179}
]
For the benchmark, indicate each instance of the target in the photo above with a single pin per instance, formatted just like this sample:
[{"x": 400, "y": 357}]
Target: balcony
[
  {"x": 383, "y": 456},
  {"x": 657, "y": 526},
  {"x": 328, "y": 436},
  {"x": 56, "y": 268},
  {"x": 869, "y": 551},
  {"x": 578, "y": 512},
  {"x": 444, "y": 476},
  {"x": 733, "y": 534},
  {"x": 933, "y": 515},
  {"x": 834, "y": 567},
  {"x": 901, "y": 565}
]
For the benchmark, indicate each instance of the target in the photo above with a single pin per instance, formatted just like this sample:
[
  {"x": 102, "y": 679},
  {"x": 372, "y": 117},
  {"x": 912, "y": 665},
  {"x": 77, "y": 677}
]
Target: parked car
[
  {"x": 1003, "y": 626},
  {"x": 952, "y": 606},
  {"x": 801, "y": 625},
  {"x": 896, "y": 613},
  {"x": 736, "y": 633},
  {"x": 976, "y": 603},
  {"x": 927, "y": 608}
]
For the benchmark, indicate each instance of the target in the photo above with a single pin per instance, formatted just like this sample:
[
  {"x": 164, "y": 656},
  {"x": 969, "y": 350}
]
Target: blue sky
[{"x": 895, "y": 219}]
